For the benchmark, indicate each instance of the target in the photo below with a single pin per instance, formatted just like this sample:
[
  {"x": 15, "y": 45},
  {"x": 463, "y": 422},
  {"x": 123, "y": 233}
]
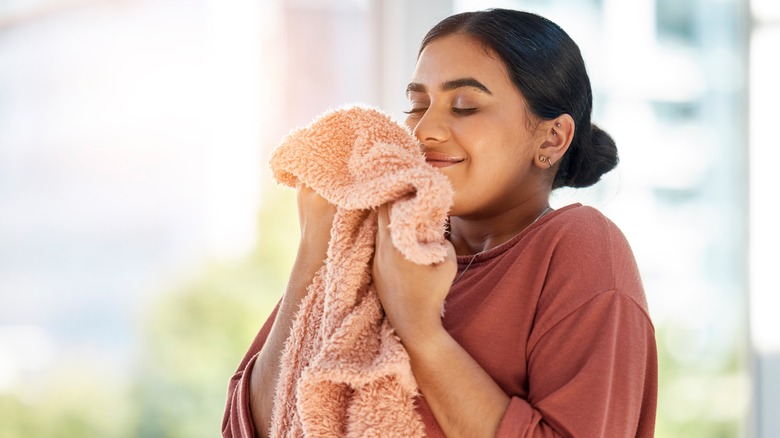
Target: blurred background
[{"x": 143, "y": 242}]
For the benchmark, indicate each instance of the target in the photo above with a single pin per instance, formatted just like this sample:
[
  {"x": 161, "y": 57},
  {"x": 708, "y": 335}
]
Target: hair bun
[
  {"x": 584, "y": 167},
  {"x": 604, "y": 156}
]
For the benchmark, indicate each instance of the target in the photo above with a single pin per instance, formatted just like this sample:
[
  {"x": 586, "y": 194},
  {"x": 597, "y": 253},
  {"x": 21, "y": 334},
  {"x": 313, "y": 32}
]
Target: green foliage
[
  {"x": 699, "y": 390},
  {"x": 194, "y": 337},
  {"x": 197, "y": 335},
  {"x": 74, "y": 402}
]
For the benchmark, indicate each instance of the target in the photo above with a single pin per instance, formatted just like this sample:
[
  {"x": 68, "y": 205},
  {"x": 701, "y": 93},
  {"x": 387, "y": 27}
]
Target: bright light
[{"x": 764, "y": 214}]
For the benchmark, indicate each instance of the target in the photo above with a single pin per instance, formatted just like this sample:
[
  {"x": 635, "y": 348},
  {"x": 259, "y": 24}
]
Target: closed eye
[
  {"x": 464, "y": 111},
  {"x": 416, "y": 111}
]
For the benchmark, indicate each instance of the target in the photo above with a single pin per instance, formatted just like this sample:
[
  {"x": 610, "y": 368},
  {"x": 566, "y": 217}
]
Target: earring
[{"x": 544, "y": 159}]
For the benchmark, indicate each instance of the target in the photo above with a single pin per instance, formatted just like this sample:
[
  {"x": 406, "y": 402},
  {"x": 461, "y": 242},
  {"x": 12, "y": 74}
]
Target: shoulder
[
  {"x": 585, "y": 234},
  {"x": 583, "y": 224},
  {"x": 588, "y": 256}
]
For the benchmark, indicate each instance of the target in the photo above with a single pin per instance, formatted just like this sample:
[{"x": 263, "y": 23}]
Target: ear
[{"x": 558, "y": 134}]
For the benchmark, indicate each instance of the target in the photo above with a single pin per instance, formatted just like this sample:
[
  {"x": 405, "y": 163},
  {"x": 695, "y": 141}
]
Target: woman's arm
[
  {"x": 465, "y": 400},
  {"x": 316, "y": 218},
  {"x": 591, "y": 369}
]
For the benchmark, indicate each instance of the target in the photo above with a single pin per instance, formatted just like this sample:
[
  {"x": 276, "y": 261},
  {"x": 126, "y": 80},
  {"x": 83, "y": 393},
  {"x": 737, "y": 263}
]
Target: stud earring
[{"x": 544, "y": 159}]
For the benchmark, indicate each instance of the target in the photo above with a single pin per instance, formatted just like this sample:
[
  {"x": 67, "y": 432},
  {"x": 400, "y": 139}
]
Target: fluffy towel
[{"x": 343, "y": 371}]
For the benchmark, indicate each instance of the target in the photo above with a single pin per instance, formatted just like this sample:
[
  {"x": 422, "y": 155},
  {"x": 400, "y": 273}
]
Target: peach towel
[{"x": 344, "y": 372}]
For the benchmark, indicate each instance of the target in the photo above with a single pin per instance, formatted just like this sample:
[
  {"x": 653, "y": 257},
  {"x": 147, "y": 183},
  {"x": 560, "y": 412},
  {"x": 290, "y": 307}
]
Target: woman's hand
[{"x": 412, "y": 295}]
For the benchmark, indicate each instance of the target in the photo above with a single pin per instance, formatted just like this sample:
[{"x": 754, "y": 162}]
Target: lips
[{"x": 437, "y": 159}]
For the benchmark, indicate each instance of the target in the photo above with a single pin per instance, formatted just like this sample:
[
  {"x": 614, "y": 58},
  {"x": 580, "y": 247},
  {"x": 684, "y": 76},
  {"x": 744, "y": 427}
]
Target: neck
[{"x": 472, "y": 235}]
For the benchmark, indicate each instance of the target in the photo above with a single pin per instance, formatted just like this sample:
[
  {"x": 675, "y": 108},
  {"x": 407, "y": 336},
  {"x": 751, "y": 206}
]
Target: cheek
[
  {"x": 495, "y": 172},
  {"x": 504, "y": 161}
]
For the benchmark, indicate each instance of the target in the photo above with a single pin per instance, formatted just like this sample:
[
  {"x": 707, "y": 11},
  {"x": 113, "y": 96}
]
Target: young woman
[{"x": 546, "y": 330}]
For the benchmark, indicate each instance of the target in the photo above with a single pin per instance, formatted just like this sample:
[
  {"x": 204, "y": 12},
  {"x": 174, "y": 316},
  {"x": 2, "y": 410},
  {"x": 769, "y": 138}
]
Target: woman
[{"x": 546, "y": 330}]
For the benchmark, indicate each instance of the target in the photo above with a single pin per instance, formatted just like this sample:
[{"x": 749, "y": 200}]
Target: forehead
[{"x": 460, "y": 55}]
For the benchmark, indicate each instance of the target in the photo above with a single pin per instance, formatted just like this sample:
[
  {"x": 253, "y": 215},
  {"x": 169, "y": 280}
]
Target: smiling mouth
[{"x": 440, "y": 160}]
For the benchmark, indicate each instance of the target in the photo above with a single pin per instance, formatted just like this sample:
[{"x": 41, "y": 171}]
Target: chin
[{"x": 455, "y": 209}]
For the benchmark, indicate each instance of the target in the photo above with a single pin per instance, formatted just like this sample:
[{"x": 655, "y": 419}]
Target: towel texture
[{"x": 343, "y": 371}]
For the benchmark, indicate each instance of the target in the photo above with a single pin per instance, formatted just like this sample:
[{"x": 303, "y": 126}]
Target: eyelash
[
  {"x": 464, "y": 111},
  {"x": 458, "y": 111}
]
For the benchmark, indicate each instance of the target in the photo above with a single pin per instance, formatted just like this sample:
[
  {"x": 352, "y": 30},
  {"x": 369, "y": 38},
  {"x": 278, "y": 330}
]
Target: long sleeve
[
  {"x": 237, "y": 421},
  {"x": 592, "y": 375}
]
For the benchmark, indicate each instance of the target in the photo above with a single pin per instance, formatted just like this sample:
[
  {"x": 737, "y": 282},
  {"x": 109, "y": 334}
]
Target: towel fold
[{"x": 343, "y": 370}]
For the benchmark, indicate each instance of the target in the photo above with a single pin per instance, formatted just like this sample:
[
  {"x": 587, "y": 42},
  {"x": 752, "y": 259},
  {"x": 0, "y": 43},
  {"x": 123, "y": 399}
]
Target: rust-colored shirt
[{"x": 558, "y": 317}]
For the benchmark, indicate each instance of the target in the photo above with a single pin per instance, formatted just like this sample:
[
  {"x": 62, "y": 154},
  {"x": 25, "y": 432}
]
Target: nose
[{"x": 430, "y": 128}]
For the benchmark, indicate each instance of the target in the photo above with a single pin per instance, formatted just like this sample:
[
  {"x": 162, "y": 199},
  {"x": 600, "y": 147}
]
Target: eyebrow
[{"x": 450, "y": 85}]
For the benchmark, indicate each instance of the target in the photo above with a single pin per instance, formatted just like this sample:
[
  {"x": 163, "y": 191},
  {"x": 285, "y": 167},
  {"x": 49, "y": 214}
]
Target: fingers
[
  {"x": 384, "y": 215},
  {"x": 383, "y": 247},
  {"x": 383, "y": 219}
]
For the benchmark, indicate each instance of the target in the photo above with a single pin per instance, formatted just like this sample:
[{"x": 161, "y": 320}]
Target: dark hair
[{"x": 546, "y": 66}]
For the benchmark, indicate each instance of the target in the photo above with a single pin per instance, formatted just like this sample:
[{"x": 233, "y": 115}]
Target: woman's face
[{"x": 473, "y": 126}]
